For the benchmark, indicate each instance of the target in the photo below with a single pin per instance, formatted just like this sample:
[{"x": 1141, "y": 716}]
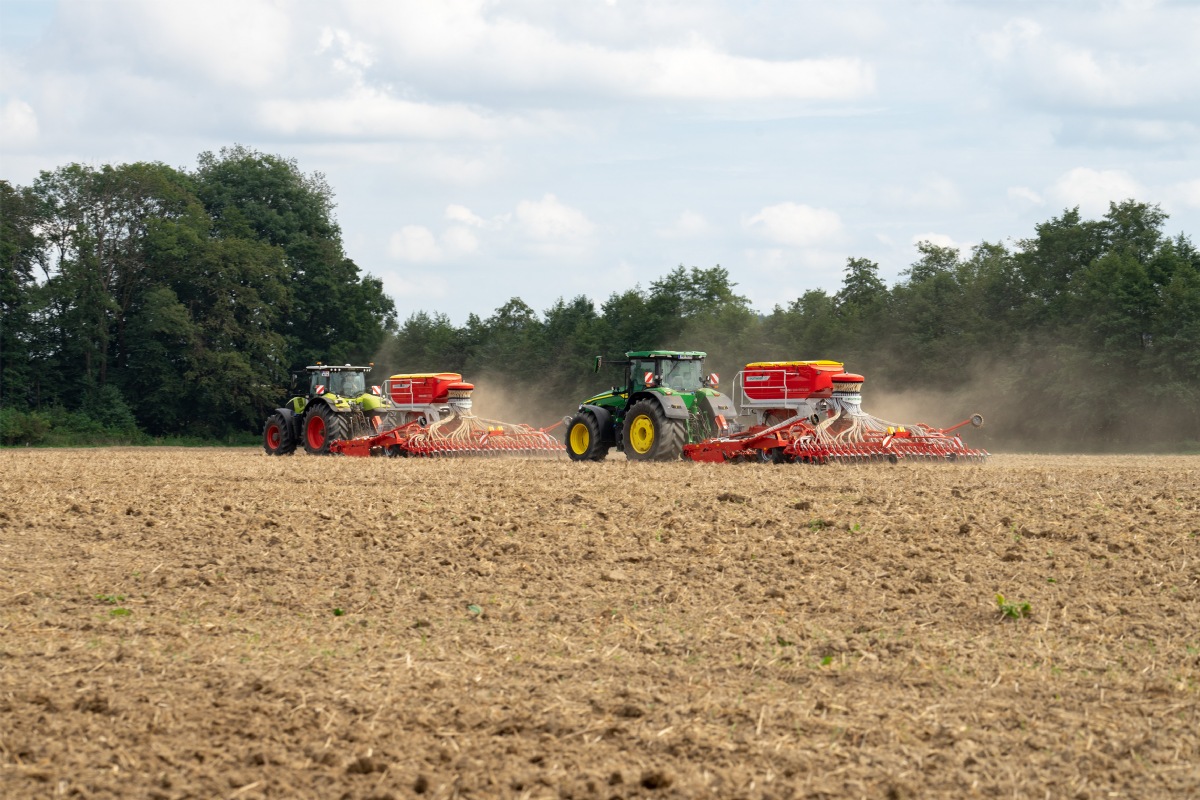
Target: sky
[{"x": 482, "y": 150}]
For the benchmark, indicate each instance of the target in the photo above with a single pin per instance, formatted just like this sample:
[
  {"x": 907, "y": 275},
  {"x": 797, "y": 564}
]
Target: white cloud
[
  {"x": 459, "y": 241},
  {"x": 419, "y": 245},
  {"x": 466, "y": 44},
  {"x": 1092, "y": 190},
  {"x": 230, "y": 42},
  {"x": 1015, "y": 34},
  {"x": 549, "y": 220},
  {"x": 355, "y": 55},
  {"x": 464, "y": 215},
  {"x": 1116, "y": 58},
  {"x": 795, "y": 224},
  {"x": 18, "y": 124},
  {"x": 688, "y": 225},
  {"x": 368, "y": 113},
  {"x": 547, "y": 226},
  {"x": 414, "y": 243},
  {"x": 701, "y": 72}
]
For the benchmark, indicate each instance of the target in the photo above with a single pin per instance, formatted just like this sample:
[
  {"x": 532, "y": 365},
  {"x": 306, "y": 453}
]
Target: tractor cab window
[
  {"x": 347, "y": 384},
  {"x": 682, "y": 376},
  {"x": 317, "y": 379},
  {"x": 637, "y": 373}
]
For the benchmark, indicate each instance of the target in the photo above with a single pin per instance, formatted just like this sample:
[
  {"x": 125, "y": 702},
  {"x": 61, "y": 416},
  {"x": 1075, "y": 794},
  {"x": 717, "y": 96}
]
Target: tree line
[
  {"x": 1084, "y": 336},
  {"x": 173, "y": 303}
]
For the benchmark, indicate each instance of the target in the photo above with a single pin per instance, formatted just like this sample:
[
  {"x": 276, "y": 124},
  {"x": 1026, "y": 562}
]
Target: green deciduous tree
[
  {"x": 337, "y": 314},
  {"x": 20, "y": 254}
]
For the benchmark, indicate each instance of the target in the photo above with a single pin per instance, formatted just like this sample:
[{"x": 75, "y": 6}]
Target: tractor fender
[
  {"x": 370, "y": 402},
  {"x": 671, "y": 404},
  {"x": 291, "y": 419},
  {"x": 714, "y": 404},
  {"x": 603, "y": 419},
  {"x": 346, "y": 406}
]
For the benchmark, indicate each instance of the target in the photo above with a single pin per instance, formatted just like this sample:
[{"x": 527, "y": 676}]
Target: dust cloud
[
  {"x": 503, "y": 401},
  {"x": 1046, "y": 399}
]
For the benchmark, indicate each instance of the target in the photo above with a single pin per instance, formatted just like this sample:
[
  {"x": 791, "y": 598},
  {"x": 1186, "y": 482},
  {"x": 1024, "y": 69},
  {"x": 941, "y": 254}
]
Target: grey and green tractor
[
  {"x": 665, "y": 401},
  {"x": 338, "y": 404}
]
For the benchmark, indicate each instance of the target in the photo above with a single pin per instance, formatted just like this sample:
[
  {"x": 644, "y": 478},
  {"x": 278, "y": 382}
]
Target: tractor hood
[{"x": 614, "y": 397}]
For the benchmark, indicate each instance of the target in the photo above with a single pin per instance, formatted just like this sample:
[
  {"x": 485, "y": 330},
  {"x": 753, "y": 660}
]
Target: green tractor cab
[
  {"x": 664, "y": 402},
  {"x": 337, "y": 404}
]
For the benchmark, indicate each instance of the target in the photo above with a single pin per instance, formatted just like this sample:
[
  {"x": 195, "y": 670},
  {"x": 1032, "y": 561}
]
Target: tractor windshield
[
  {"x": 682, "y": 376},
  {"x": 352, "y": 384}
]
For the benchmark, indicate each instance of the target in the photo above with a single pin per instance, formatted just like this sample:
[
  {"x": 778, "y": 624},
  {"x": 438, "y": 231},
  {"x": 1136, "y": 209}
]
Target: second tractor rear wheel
[{"x": 650, "y": 435}]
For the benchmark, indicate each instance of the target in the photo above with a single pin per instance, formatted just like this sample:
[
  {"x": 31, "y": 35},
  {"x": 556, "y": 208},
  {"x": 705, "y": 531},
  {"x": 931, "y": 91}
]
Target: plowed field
[{"x": 219, "y": 623}]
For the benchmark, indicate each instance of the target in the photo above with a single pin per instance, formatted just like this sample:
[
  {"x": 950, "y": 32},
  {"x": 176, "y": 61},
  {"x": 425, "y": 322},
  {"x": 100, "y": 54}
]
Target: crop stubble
[{"x": 204, "y": 623}]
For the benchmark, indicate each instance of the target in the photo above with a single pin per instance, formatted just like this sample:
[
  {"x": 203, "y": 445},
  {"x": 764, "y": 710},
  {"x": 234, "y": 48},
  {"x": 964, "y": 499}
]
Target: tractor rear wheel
[
  {"x": 585, "y": 439},
  {"x": 323, "y": 426},
  {"x": 650, "y": 435},
  {"x": 277, "y": 436}
]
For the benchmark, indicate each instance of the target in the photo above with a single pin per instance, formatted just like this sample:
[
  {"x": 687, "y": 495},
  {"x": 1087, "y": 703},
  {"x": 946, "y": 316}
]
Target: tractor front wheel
[
  {"x": 649, "y": 434},
  {"x": 585, "y": 439},
  {"x": 277, "y": 436},
  {"x": 322, "y": 427}
]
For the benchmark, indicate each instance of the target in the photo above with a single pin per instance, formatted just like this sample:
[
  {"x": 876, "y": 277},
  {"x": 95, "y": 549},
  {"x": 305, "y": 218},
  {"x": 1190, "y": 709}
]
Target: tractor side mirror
[{"x": 599, "y": 361}]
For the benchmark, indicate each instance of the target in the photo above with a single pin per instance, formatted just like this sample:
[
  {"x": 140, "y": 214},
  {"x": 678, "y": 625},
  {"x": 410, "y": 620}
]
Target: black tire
[
  {"x": 772, "y": 455},
  {"x": 322, "y": 426},
  {"x": 649, "y": 435},
  {"x": 277, "y": 436},
  {"x": 584, "y": 439}
]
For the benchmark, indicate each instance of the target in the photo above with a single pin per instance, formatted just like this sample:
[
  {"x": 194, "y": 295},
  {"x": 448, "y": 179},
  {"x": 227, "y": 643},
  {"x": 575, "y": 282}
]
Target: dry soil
[{"x": 220, "y": 623}]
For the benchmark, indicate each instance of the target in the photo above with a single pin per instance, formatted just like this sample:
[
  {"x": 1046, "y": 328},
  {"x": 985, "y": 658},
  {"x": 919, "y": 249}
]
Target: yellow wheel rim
[
  {"x": 641, "y": 434},
  {"x": 580, "y": 439}
]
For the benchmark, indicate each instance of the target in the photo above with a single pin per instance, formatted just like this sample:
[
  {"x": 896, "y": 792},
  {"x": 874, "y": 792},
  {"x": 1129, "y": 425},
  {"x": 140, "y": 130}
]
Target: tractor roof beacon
[
  {"x": 665, "y": 400},
  {"x": 336, "y": 403}
]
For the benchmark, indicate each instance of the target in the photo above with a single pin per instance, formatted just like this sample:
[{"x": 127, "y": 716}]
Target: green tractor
[
  {"x": 338, "y": 405},
  {"x": 665, "y": 402}
]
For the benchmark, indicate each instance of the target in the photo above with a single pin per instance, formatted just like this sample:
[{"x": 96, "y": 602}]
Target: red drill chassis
[
  {"x": 810, "y": 412},
  {"x": 414, "y": 439},
  {"x": 796, "y": 439},
  {"x": 436, "y": 420}
]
